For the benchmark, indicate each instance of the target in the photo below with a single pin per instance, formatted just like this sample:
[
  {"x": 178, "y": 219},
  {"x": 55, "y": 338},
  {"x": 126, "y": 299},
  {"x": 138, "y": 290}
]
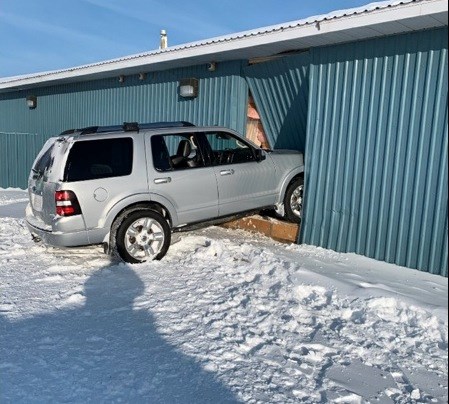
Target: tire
[
  {"x": 142, "y": 236},
  {"x": 293, "y": 200}
]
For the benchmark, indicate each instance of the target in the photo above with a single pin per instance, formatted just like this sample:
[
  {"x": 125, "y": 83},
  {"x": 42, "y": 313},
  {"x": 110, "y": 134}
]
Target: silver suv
[{"x": 130, "y": 186}]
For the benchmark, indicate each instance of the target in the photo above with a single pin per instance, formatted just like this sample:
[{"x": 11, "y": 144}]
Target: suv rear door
[{"x": 178, "y": 173}]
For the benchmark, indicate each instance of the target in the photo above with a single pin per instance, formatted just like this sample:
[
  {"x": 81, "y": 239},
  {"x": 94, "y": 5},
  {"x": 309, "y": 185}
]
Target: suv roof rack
[
  {"x": 68, "y": 132},
  {"x": 132, "y": 127}
]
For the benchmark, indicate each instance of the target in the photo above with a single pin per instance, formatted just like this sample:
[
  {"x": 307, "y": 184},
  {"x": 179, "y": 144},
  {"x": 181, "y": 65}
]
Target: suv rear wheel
[
  {"x": 143, "y": 236},
  {"x": 293, "y": 200}
]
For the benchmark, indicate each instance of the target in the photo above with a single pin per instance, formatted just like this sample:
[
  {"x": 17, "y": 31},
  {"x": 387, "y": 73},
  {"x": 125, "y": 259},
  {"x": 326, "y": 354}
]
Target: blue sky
[{"x": 42, "y": 35}]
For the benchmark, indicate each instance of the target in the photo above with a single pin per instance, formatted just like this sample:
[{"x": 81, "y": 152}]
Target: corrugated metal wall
[
  {"x": 280, "y": 89},
  {"x": 377, "y": 150},
  {"x": 222, "y": 100},
  {"x": 376, "y": 146},
  {"x": 17, "y": 150}
]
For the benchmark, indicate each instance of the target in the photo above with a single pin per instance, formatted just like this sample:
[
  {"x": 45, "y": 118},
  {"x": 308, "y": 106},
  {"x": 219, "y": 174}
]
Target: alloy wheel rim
[
  {"x": 144, "y": 239},
  {"x": 296, "y": 200}
]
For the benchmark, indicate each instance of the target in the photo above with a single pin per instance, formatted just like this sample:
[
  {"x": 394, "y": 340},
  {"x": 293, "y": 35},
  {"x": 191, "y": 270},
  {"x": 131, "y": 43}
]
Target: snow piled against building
[{"x": 226, "y": 316}]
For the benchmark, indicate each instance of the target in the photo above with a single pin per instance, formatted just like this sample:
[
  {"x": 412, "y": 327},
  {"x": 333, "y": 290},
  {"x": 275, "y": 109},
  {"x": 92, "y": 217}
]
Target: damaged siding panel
[
  {"x": 280, "y": 89},
  {"x": 376, "y": 156}
]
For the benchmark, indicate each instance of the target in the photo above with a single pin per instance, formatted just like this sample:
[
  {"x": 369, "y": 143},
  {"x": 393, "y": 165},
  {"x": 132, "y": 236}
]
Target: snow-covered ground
[{"x": 226, "y": 316}]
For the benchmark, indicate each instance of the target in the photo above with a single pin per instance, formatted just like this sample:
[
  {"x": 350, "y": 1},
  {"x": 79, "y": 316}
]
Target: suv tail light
[{"x": 67, "y": 203}]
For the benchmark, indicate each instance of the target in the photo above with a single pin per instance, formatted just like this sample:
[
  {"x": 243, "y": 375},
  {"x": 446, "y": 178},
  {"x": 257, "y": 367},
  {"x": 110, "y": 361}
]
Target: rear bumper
[
  {"x": 59, "y": 239},
  {"x": 55, "y": 238}
]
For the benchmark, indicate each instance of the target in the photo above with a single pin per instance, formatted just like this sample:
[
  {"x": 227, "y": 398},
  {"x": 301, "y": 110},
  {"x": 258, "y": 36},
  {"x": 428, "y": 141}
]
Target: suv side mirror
[{"x": 259, "y": 155}]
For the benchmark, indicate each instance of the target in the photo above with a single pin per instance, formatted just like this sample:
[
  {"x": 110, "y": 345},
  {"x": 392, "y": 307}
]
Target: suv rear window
[
  {"x": 44, "y": 163},
  {"x": 94, "y": 159}
]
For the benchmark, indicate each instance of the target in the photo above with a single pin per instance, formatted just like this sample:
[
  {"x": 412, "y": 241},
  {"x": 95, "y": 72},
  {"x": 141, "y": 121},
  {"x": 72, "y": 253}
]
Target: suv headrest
[{"x": 184, "y": 148}]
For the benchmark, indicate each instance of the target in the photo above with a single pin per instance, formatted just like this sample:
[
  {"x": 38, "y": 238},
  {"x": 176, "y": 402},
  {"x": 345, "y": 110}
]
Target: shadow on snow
[{"x": 104, "y": 351}]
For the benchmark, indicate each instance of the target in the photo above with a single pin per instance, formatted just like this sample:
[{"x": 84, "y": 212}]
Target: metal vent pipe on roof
[{"x": 164, "y": 39}]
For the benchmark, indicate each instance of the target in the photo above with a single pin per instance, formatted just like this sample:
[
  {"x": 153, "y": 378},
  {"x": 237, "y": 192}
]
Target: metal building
[{"x": 363, "y": 92}]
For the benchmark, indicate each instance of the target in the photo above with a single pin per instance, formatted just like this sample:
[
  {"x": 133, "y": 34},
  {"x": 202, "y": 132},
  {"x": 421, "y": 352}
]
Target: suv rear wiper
[{"x": 37, "y": 173}]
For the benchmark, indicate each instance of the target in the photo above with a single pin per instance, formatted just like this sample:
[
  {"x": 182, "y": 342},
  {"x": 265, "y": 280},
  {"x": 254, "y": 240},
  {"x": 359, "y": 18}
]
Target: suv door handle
[
  {"x": 227, "y": 172},
  {"x": 165, "y": 180}
]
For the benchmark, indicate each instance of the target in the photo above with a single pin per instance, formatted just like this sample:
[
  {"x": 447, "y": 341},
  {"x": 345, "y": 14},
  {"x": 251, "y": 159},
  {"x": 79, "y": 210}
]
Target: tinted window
[
  {"x": 95, "y": 159},
  {"x": 161, "y": 156},
  {"x": 44, "y": 163}
]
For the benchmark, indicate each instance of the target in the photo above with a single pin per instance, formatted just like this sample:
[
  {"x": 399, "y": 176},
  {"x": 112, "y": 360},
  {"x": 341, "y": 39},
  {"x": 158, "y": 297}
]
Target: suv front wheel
[
  {"x": 143, "y": 236},
  {"x": 293, "y": 200}
]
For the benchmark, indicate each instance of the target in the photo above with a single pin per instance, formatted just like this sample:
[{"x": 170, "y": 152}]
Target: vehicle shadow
[{"x": 105, "y": 351}]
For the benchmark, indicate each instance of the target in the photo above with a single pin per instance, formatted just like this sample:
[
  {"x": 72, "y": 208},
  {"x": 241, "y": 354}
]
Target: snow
[{"x": 226, "y": 316}]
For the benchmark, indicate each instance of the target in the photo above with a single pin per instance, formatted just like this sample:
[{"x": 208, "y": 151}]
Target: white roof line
[{"x": 158, "y": 56}]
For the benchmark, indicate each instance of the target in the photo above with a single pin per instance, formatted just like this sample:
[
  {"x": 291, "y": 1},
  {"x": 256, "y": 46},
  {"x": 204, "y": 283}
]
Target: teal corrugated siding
[
  {"x": 377, "y": 150},
  {"x": 17, "y": 151},
  {"x": 280, "y": 89},
  {"x": 222, "y": 101}
]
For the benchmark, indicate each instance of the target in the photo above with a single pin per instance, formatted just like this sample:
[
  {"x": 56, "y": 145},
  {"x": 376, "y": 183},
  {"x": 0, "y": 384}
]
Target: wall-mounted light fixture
[
  {"x": 31, "y": 101},
  {"x": 211, "y": 66},
  {"x": 121, "y": 78},
  {"x": 142, "y": 76},
  {"x": 188, "y": 88}
]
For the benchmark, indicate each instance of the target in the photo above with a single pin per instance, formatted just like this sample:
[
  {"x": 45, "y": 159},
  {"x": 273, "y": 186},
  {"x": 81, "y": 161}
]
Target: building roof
[{"x": 373, "y": 20}]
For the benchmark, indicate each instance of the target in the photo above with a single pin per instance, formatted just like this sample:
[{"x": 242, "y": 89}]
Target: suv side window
[
  {"x": 94, "y": 159},
  {"x": 175, "y": 152},
  {"x": 228, "y": 149}
]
